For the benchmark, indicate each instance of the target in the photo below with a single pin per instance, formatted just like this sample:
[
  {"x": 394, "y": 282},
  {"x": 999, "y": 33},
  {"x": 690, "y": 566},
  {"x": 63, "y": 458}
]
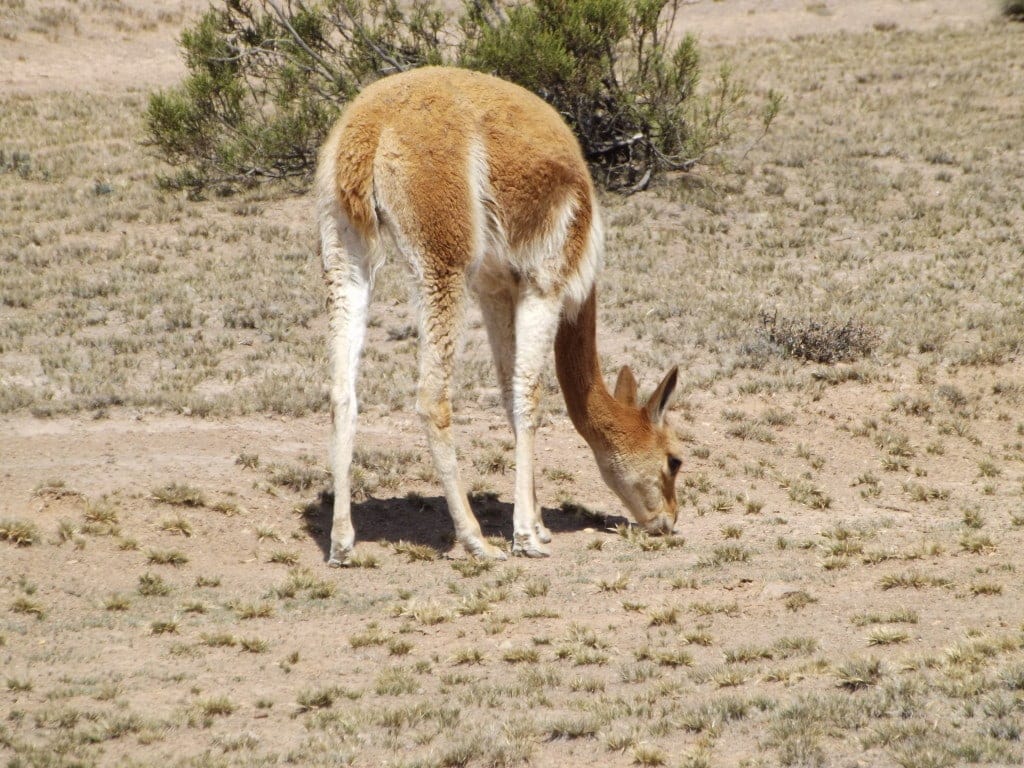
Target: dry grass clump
[
  {"x": 819, "y": 341},
  {"x": 18, "y": 532},
  {"x": 180, "y": 495},
  {"x": 855, "y": 674}
]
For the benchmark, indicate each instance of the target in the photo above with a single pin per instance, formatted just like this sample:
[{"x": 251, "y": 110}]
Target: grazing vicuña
[{"x": 483, "y": 189}]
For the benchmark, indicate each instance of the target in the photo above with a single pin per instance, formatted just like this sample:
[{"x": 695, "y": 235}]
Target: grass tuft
[
  {"x": 180, "y": 495},
  {"x": 859, "y": 673},
  {"x": 152, "y": 585},
  {"x": 18, "y": 532},
  {"x": 416, "y": 552},
  {"x": 166, "y": 557}
]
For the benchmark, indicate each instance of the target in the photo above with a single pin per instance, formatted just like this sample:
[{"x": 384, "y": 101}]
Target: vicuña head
[
  {"x": 642, "y": 467},
  {"x": 483, "y": 190}
]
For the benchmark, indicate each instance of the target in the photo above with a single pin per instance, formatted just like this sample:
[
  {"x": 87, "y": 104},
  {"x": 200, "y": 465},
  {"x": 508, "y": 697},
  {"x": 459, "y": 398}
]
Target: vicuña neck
[{"x": 587, "y": 400}]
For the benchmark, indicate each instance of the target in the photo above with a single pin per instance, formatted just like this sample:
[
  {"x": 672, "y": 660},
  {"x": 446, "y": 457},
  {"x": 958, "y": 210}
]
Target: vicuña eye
[{"x": 674, "y": 463}]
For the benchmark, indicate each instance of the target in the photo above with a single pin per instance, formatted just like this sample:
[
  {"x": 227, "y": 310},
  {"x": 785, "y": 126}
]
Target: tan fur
[
  {"x": 483, "y": 187},
  {"x": 626, "y": 439}
]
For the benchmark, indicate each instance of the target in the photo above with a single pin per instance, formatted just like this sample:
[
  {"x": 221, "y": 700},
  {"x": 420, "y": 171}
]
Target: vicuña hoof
[
  {"x": 484, "y": 550},
  {"x": 341, "y": 556},
  {"x": 543, "y": 533},
  {"x": 528, "y": 546}
]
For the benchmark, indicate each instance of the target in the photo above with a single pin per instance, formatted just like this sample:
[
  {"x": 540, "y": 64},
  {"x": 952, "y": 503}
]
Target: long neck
[{"x": 587, "y": 400}]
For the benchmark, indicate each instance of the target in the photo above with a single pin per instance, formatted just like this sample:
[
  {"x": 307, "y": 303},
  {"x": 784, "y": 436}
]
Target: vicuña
[{"x": 484, "y": 190}]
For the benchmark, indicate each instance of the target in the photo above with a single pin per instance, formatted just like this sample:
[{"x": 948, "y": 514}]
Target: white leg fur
[
  {"x": 499, "y": 314},
  {"x": 535, "y": 323},
  {"x": 348, "y": 269}
]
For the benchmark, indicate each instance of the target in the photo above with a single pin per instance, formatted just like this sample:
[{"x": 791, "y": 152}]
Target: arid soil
[{"x": 844, "y": 587}]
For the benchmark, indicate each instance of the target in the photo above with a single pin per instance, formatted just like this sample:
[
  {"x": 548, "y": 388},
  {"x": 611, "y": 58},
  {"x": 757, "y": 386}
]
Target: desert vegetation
[
  {"x": 266, "y": 81},
  {"x": 844, "y": 582}
]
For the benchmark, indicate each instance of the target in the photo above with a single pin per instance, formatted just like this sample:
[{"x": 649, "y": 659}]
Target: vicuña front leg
[
  {"x": 536, "y": 321},
  {"x": 442, "y": 300}
]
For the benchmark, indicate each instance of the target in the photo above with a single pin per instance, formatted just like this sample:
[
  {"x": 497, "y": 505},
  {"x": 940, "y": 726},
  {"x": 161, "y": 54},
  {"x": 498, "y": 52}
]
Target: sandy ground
[{"x": 121, "y": 456}]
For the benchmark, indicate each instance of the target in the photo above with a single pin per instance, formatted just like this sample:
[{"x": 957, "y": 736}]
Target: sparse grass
[
  {"x": 218, "y": 706},
  {"x": 416, "y": 552},
  {"x": 472, "y": 567},
  {"x": 468, "y": 656},
  {"x": 730, "y": 553},
  {"x": 537, "y": 587},
  {"x": 521, "y": 656},
  {"x": 267, "y": 533},
  {"x": 886, "y": 636},
  {"x": 284, "y": 557},
  {"x": 28, "y": 607},
  {"x": 645, "y": 542},
  {"x": 399, "y": 647},
  {"x": 804, "y": 492},
  {"x": 177, "y": 525},
  {"x": 219, "y": 640},
  {"x": 319, "y": 698},
  {"x": 19, "y": 685},
  {"x": 899, "y": 616},
  {"x": 664, "y": 616},
  {"x": 102, "y": 273},
  {"x": 297, "y": 478},
  {"x": 976, "y": 543},
  {"x": 913, "y": 580},
  {"x": 981, "y": 588},
  {"x": 18, "y": 532},
  {"x": 226, "y": 508},
  {"x": 248, "y": 460},
  {"x": 152, "y": 585},
  {"x": 180, "y": 495},
  {"x": 164, "y": 627},
  {"x": 396, "y": 681},
  {"x": 117, "y": 602},
  {"x": 247, "y": 611},
  {"x": 972, "y": 518},
  {"x": 732, "y": 532},
  {"x": 253, "y": 645},
  {"x": 430, "y": 614},
  {"x": 616, "y": 584},
  {"x": 166, "y": 557},
  {"x": 363, "y": 560},
  {"x": 649, "y": 755},
  {"x": 794, "y": 601},
  {"x": 101, "y": 519},
  {"x": 855, "y": 674}
]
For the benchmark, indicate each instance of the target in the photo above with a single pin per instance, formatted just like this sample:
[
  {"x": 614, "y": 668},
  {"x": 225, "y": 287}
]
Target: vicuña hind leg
[
  {"x": 535, "y": 323},
  {"x": 347, "y": 270},
  {"x": 443, "y": 296},
  {"x": 499, "y": 313}
]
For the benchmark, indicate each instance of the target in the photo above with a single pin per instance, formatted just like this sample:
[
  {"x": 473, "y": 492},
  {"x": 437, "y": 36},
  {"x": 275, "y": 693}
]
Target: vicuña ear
[
  {"x": 658, "y": 402},
  {"x": 625, "y": 386}
]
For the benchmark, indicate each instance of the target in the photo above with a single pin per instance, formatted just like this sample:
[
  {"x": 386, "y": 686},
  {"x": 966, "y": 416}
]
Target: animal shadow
[{"x": 425, "y": 520}]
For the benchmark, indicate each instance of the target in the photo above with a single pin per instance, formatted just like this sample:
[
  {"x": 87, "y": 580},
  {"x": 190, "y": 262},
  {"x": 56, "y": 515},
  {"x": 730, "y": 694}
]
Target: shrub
[
  {"x": 266, "y": 81},
  {"x": 820, "y": 342},
  {"x": 1012, "y": 9}
]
